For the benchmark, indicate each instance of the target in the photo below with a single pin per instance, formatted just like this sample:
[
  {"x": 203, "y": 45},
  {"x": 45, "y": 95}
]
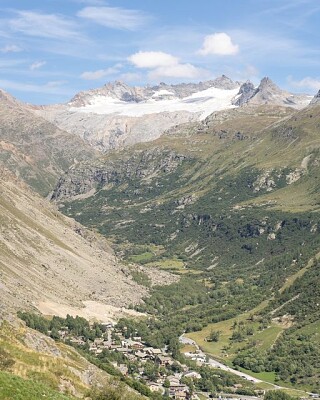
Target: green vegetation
[
  {"x": 141, "y": 278},
  {"x": 116, "y": 390},
  {"x": 6, "y": 362},
  {"x": 15, "y": 388},
  {"x": 77, "y": 326},
  {"x": 26, "y": 367},
  {"x": 278, "y": 395}
]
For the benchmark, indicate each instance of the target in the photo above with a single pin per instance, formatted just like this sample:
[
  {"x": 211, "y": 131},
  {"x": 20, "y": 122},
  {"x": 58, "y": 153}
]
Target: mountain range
[
  {"x": 196, "y": 205},
  {"x": 118, "y": 115}
]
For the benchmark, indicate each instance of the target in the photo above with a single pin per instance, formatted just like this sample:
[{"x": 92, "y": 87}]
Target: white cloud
[
  {"x": 164, "y": 65},
  {"x": 115, "y": 17},
  {"x": 152, "y": 59},
  {"x": 44, "y": 25},
  {"x": 306, "y": 83},
  {"x": 10, "y": 48},
  {"x": 37, "y": 65},
  {"x": 218, "y": 44},
  {"x": 101, "y": 73}
]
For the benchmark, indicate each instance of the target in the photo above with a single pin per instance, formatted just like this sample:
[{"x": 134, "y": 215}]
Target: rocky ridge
[
  {"x": 85, "y": 179},
  {"x": 118, "y": 115},
  {"x": 269, "y": 93},
  {"x": 316, "y": 98},
  {"x": 121, "y": 91},
  {"x": 35, "y": 149}
]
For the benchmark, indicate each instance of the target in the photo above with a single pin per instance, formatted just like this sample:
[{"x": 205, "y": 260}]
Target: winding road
[{"x": 217, "y": 364}]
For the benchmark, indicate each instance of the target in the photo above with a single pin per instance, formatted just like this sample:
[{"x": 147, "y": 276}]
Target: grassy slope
[
  {"x": 48, "y": 367},
  {"x": 43, "y": 368},
  {"x": 15, "y": 388}
]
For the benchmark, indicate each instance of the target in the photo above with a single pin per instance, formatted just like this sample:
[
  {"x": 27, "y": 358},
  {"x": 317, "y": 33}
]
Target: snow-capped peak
[{"x": 203, "y": 102}]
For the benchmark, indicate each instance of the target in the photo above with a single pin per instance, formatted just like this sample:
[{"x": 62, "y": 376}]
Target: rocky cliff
[{"x": 34, "y": 149}]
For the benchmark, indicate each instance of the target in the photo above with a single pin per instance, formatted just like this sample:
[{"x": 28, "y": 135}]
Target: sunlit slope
[{"x": 44, "y": 256}]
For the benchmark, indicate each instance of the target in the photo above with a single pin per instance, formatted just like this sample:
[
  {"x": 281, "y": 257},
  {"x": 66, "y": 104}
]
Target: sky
[{"x": 52, "y": 49}]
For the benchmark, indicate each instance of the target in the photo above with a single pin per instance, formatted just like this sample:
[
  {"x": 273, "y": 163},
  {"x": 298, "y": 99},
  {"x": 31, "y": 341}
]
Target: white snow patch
[
  {"x": 162, "y": 92},
  {"x": 204, "y": 102}
]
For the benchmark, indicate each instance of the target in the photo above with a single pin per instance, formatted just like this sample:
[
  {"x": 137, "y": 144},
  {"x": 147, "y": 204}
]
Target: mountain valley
[{"x": 174, "y": 209}]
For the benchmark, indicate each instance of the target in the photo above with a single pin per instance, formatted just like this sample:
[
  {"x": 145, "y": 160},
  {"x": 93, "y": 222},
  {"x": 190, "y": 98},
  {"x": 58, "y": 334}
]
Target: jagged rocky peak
[
  {"x": 121, "y": 91},
  {"x": 8, "y": 99},
  {"x": 267, "y": 87},
  {"x": 316, "y": 99},
  {"x": 246, "y": 92},
  {"x": 224, "y": 82},
  {"x": 117, "y": 90},
  {"x": 269, "y": 93},
  {"x": 124, "y": 92}
]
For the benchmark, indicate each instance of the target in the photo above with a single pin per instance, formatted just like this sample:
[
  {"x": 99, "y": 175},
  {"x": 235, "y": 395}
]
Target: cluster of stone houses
[{"x": 136, "y": 351}]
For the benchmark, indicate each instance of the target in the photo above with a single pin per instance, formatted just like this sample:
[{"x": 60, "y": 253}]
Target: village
[
  {"x": 154, "y": 367},
  {"x": 132, "y": 357}
]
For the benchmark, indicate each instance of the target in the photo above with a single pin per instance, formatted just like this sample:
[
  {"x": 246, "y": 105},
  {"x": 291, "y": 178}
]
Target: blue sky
[{"x": 52, "y": 49}]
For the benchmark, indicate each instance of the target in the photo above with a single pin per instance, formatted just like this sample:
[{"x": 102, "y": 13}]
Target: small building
[
  {"x": 192, "y": 375},
  {"x": 122, "y": 350},
  {"x": 164, "y": 360},
  {"x": 156, "y": 387},
  {"x": 132, "y": 344},
  {"x": 179, "y": 392}
]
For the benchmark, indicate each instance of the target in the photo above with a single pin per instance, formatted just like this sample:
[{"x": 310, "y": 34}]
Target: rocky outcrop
[
  {"x": 268, "y": 93},
  {"x": 86, "y": 178},
  {"x": 246, "y": 92},
  {"x": 112, "y": 131},
  {"x": 316, "y": 99},
  {"x": 117, "y": 89}
]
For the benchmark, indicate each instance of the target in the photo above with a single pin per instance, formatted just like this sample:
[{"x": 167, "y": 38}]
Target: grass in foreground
[{"x": 15, "y": 388}]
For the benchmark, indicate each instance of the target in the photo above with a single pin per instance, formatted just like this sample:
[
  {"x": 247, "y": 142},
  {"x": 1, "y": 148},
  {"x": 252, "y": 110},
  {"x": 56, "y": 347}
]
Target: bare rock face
[
  {"x": 121, "y": 91},
  {"x": 268, "y": 93},
  {"x": 246, "y": 92},
  {"x": 316, "y": 99},
  {"x": 117, "y": 90},
  {"x": 85, "y": 178},
  {"x": 106, "y": 132}
]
